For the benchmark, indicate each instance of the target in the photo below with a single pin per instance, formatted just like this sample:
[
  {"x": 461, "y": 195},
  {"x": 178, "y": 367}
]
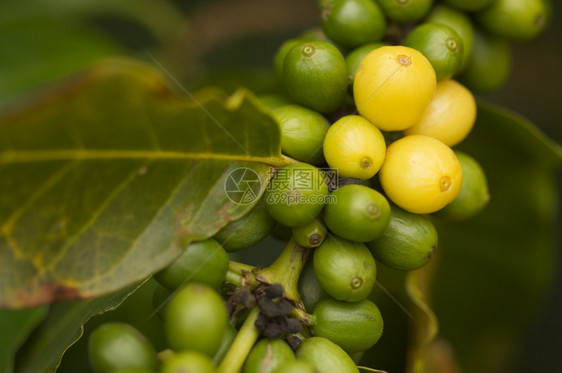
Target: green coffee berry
[
  {"x": 302, "y": 133},
  {"x": 441, "y": 45},
  {"x": 353, "y": 22},
  {"x": 408, "y": 242}
]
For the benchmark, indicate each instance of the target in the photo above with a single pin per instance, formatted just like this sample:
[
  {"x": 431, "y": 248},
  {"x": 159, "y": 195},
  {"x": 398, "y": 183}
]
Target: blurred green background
[{"x": 232, "y": 42}]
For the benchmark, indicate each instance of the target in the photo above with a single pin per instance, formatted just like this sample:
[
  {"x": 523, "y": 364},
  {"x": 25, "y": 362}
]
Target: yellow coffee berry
[
  {"x": 450, "y": 116},
  {"x": 355, "y": 147},
  {"x": 421, "y": 174},
  {"x": 393, "y": 86}
]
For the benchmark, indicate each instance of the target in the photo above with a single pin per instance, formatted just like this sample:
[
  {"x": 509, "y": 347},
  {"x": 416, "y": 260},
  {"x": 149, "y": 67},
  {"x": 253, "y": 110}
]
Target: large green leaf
[
  {"x": 493, "y": 269},
  {"x": 106, "y": 178},
  {"x": 16, "y": 325},
  {"x": 62, "y": 328}
]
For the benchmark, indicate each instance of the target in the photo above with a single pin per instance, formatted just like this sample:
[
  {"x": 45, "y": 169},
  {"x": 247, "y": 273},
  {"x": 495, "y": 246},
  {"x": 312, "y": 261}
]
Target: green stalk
[
  {"x": 246, "y": 274},
  {"x": 286, "y": 269},
  {"x": 243, "y": 343},
  {"x": 234, "y": 278}
]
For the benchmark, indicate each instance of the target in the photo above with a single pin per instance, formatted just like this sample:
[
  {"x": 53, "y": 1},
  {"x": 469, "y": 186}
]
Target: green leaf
[
  {"x": 492, "y": 270},
  {"x": 16, "y": 325},
  {"x": 62, "y": 328},
  {"x": 105, "y": 180}
]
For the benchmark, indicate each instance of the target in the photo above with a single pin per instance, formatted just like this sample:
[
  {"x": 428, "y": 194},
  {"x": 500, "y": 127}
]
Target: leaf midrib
[{"x": 29, "y": 156}]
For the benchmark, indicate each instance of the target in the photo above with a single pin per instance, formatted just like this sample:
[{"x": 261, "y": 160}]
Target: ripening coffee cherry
[
  {"x": 420, "y": 174},
  {"x": 315, "y": 75},
  {"x": 326, "y": 356},
  {"x": 358, "y": 213},
  {"x": 393, "y": 86},
  {"x": 408, "y": 243},
  {"x": 247, "y": 231},
  {"x": 353, "y": 22},
  {"x": 354, "y": 58},
  {"x": 474, "y": 195},
  {"x": 345, "y": 269},
  {"x": 355, "y": 147},
  {"x": 302, "y": 133},
  {"x": 405, "y": 10},
  {"x": 450, "y": 116},
  {"x": 310, "y": 235},
  {"x": 267, "y": 355},
  {"x": 489, "y": 65},
  {"x": 458, "y": 21},
  {"x": 441, "y": 45},
  {"x": 115, "y": 346},
  {"x": 515, "y": 19},
  {"x": 196, "y": 319},
  {"x": 296, "y": 194},
  {"x": 353, "y": 326},
  {"x": 188, "y": 361},
  {"x": 204, "y": 262}
]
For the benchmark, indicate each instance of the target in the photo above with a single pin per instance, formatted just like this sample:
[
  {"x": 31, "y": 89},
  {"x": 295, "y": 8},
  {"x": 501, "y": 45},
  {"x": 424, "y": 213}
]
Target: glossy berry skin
[
  {"x": 345, "y": 269},
  {"x": 326, "y": 356},
  {"x": 393, "y": 86},
  {"x": 474, "y": 195},
  {"x": 441, "y": 45},
  {"x": 355, "y": 147},
  {"x": 354, "y": 58},
  {"x": 421, "y": 174},
  {"x": 196, "y": 319},
  {"x": 302, "y": 133},
  {"x": 315, "y": 75},
  {"x": 115, "y": 346},
  {"x": 408, "y": 243},
  {"x": 353, "y": 22},
  {"x": 296, "y": 194},
  {"x": 458, "y": 21},
  {"x": 310, "y": 235},
  {"x": 310, "y": 290},
  {"x": 204, "y": 262},
  {"x": 279, "y": 59},
  {"x": 515, "y": 19},
  {"x": 358, "y": 213},
  {"x": 267, "y": 355},
  {"x": 247, "y": 231},
  {"x": 405, "y": 10},
  {"x": 297, "y": 366},
  {"x": 353, "y": 326},
  {"x": 489, "y": 65},
  {"x": 188, "y": 361},
  {"x": 450, "y": 116}
]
